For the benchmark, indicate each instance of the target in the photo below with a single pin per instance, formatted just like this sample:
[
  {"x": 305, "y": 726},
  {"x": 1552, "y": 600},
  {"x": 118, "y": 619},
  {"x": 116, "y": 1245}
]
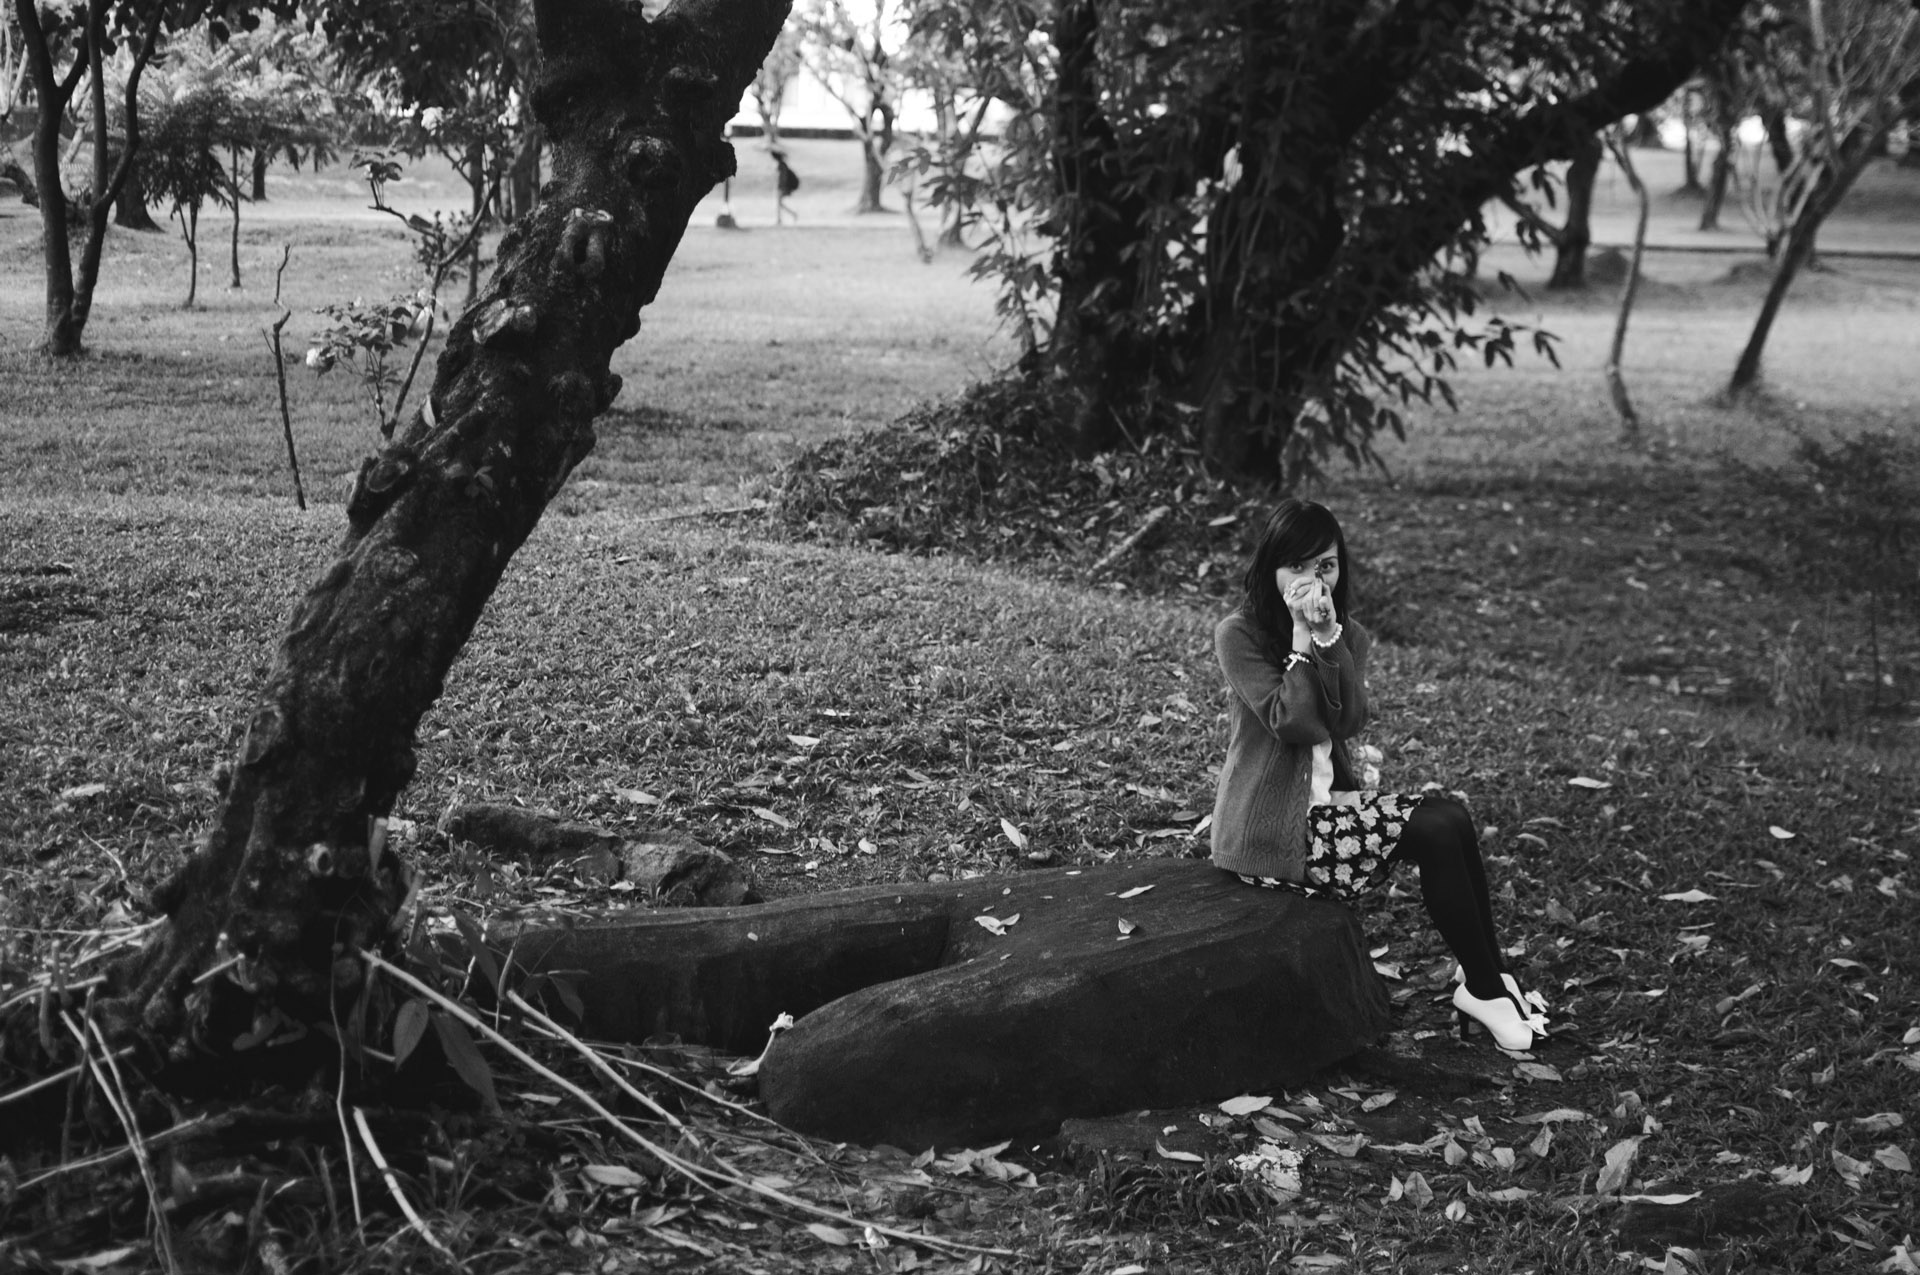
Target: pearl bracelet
[{"x": 1337, "y": 631}]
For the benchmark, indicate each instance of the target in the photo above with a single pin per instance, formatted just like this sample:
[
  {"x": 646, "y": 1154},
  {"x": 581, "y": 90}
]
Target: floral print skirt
[{"x": 1349, "y": 846}]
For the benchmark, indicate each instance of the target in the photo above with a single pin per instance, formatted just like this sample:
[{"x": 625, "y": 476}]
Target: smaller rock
[
  {"x": 1724, "y": 1211},
  {"x": 513, "y": 833},
  {"x": 675, "y": 869}
]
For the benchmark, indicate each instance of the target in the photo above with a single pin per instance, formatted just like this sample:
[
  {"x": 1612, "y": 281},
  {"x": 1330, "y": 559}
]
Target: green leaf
[
  {"x": 409, "y": 1025},
  {"x": 570, "y": 997},
  {"x": 464, "y": 1055}
]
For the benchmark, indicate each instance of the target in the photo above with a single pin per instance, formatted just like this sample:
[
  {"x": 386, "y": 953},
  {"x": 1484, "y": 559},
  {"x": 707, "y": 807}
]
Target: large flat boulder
[
  {"x": 1219, "y": 988},
  {"x": 1085, "y": 992}
]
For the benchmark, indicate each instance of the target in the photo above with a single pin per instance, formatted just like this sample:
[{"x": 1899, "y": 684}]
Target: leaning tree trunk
[
  {"x": 1797, "y": 246},
  {"x": 1576, "y": 236},
  {"x": 264, "y": 920},
  {"x": 1631, "y": 434}
]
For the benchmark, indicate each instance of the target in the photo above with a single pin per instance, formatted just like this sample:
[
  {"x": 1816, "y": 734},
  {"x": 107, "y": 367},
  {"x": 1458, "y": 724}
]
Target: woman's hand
[{"x": 1310, "y": 603}]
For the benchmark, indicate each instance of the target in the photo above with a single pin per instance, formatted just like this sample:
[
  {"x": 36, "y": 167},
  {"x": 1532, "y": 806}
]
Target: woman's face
[{"x": 1323, "y": 566}]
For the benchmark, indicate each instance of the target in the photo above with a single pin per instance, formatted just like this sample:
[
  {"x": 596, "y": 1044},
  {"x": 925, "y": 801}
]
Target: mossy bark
[{"x": 289, "y": 882}]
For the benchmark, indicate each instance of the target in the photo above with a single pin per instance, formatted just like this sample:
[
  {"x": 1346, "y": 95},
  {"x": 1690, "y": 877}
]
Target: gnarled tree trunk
[
  {"x": 1576, "y": 236},
  {"x": 290, "y": 881}
]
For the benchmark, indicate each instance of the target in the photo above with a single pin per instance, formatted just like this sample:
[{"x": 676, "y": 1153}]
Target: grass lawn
[{"x": 1621, "y": 661}]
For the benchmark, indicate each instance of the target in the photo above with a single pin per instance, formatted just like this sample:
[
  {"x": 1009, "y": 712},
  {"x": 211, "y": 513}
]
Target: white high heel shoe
[
  {"x": 1533, "y": 1003},
  {"x": 1500, "y": 1016}
]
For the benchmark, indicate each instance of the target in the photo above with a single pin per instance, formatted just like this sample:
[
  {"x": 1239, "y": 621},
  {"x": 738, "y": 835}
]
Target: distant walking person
[
  {"x": 726, "y": 220},
  {"x": 786, "y": 181}
]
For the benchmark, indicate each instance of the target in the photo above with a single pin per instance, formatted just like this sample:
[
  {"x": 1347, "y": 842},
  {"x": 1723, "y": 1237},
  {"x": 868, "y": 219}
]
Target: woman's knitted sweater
[{"x": 1274, "y": 718}]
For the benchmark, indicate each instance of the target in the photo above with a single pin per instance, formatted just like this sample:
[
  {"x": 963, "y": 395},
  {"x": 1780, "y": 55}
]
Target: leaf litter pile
[{"x": 1711, "y": 897}]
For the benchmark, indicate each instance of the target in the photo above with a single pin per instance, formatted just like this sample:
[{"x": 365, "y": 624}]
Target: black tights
[{"x": 1439, "y": 838}]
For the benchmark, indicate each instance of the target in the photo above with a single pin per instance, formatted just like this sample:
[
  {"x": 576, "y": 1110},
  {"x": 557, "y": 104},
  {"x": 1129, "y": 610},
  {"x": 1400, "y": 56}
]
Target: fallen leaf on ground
[
  {"x": 1581, "y": 781},
  {"x": 1619, "y": 1166},
  {"x": 1127, "y": 927},
  {"x": 1245, "y": 1105},
  {"x": 1187, "y": 1157},
  {"x": 991, "y": 924},
  {"x": 660, "y": 1215},
  {"x": 1137, "y": 890},
  {"x": 1417, "y": 1190},
  {"x": 1779, "y": 833},
  {"x": 1690, "y": 896},
  {"x": 773, "y": 817},
  {"x": 612, "y": 1175},
  {"x": 1014, "y": 834},
  {"x": 1901, "y": 1261},
  {"x": 829, "y": 1234},
  {"x": 1852, "y": 1170},
  {"x": 1345, "y": 1146},
  {"x": 1892, "y": 1157},
  {"x": 1555, "y": 1116}
]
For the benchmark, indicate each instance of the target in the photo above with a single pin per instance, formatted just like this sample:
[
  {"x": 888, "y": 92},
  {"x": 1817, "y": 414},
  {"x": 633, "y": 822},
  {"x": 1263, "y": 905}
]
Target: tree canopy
[{"x": 1259, "y": 224}]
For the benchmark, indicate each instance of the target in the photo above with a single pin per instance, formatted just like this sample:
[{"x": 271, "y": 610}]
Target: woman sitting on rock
[{"x": 1291, "y": 812}]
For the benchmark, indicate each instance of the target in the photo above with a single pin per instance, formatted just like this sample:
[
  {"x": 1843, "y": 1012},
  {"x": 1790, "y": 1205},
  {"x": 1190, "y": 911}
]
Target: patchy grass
[
  {"x": 1550, "y": 611},
  {"x": 736, "y": 368},
  {"x": 680, "y": 661}
]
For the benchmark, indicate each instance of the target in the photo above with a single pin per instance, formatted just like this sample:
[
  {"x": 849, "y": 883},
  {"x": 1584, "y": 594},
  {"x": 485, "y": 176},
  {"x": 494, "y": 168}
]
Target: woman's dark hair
[{"x": 1297, "y": 531}]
